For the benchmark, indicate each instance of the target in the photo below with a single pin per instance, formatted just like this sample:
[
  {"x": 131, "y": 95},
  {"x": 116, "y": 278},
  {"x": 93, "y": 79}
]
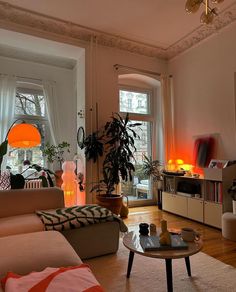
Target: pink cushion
[
  {"x": 20, "y": 224},
  {"x": 70, "y": 279}
]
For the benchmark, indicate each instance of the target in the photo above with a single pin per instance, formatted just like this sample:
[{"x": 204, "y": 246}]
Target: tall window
[
  {"x": 140, "y": 188},
  {"x": 30, "y": 106}
]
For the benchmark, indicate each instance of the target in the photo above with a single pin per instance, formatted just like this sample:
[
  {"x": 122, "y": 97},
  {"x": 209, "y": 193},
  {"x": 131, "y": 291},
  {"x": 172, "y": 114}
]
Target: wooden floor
[{"x": 214, "y": 244}]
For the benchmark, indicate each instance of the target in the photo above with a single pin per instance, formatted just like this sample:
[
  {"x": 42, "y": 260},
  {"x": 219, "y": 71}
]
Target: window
[
  {"x": 140, "y": 188},
  {"x": 30, "y": 106},
  {"x": 134, "y": 102}
]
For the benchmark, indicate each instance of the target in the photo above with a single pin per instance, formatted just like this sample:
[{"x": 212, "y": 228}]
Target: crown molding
[{"x": 23, "y": 20}]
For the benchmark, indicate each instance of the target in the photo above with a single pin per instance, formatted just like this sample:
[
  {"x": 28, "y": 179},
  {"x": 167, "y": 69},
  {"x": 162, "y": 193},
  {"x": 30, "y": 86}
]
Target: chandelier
[{"x": 208, "y": 15}]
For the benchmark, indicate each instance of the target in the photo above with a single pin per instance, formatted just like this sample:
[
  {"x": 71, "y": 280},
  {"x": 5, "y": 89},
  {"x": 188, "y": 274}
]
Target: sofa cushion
[
  {"x": 73, "y": 279},
  {"x": 24, "y": 253},
  {"x": 25, "y": 201},
  {"x": 20, "y": 224}
]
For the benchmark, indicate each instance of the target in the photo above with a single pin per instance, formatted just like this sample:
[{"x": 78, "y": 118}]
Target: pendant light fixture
[{"x": 207, "y": 16}]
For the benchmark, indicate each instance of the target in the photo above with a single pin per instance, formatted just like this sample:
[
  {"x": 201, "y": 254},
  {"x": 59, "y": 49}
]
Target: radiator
[{"x": 33, "y": 184}]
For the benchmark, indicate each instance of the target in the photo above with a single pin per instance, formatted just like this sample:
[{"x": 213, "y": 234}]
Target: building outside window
[{"x": 30, "y": 106}]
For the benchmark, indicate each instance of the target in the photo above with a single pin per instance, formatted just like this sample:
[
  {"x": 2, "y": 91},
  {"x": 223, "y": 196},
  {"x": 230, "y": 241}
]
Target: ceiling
[{"x": 160, "y": 23}]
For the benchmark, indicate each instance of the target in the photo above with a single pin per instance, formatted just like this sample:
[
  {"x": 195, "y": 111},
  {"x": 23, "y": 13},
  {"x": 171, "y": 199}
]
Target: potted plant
[
  {"x": 116, "y": 143},
  {"x": 55, "y": 153},
  {"x": 232, "y": 191},
  {"x": 154, "y": 169}
]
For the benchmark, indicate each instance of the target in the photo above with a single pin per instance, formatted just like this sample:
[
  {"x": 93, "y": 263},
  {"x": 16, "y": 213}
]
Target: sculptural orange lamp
[{"x": 69, "y": 184}]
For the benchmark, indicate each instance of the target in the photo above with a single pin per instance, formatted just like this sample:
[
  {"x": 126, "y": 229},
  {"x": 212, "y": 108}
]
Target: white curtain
[
  {"x": 49, "y": 89},
  {"x": 7, "y": 106},
  {"x": 168, "y": 117}
]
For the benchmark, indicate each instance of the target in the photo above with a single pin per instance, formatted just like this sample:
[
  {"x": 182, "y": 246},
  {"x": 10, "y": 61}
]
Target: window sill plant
[{"x": 56, "y": 154}]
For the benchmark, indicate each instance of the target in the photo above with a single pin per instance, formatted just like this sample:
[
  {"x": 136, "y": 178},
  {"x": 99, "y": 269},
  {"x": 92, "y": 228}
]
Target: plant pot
[
  {"x": 58, "y": 177},
  {"x": 234, "y": 207},
  {"x": 113, "y": 203}
]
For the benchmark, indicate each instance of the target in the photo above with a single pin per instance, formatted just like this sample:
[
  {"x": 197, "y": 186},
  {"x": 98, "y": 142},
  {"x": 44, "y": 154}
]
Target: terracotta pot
[
  {"x": 58, "y": 178},
  {"x": 113, "y": 203}
]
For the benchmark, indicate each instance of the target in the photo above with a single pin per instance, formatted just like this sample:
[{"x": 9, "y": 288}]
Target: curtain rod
[
  {"x": 30, "y": 78},
  {"x": 117, "y": 66}
]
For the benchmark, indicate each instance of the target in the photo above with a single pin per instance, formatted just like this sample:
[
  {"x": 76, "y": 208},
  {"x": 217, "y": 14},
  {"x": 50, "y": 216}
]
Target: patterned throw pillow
[
  {"x": 74, "y": 217},
  {"x": 69, "y": 279}
]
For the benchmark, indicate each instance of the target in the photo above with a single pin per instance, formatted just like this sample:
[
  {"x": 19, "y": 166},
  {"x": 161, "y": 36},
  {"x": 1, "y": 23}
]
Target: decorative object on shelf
[
  {"x": 165, "y": 238},
  {"x": 115, "y": 140},
  {"x": 143, "y": 229},
  {"x": 204, "y": 150},
  {"x": 214, "y": 163},
  {"x": 208, "y": 15},
  {"x": 69, "y": 184},
  {"x": 56, "y": 153}
]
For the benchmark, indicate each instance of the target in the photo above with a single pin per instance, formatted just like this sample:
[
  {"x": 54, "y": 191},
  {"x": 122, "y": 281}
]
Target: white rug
[{"x": 148, "y": 275}]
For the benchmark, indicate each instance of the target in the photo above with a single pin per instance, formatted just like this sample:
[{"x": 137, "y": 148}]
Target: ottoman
[
  {"x": 24, "y": 253},
  {"x": 229, "y": 226}
]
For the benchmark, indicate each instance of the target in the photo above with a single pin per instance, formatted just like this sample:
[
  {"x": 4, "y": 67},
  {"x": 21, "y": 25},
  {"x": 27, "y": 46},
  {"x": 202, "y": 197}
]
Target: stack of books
[{"x": 150, "y": 243}]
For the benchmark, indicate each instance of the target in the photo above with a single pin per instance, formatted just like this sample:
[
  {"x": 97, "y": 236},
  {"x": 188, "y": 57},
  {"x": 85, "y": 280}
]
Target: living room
[{"x": 187, "y": 70}]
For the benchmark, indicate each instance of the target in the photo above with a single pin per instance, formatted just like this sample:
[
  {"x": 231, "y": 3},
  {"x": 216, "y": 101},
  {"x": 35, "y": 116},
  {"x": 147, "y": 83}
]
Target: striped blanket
[{"x": 77, "y": 216}]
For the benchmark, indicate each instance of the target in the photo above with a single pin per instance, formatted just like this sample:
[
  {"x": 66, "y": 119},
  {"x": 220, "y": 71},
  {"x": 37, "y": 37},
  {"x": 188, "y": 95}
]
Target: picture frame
[{"x": 215, "y": 163}]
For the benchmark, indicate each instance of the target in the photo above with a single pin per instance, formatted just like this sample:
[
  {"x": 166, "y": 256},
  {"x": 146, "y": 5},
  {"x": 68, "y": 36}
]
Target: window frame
[{"x": 149, "y": 117}]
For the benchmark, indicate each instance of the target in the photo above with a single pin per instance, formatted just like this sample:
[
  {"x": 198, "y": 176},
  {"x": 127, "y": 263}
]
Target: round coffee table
[{"x": 132, "y": 242}]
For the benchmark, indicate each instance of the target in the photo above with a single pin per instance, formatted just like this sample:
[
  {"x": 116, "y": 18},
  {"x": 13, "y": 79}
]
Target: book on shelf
[
  {"x": 152, "y": 243},
  {"x": 214, "y": 191}
]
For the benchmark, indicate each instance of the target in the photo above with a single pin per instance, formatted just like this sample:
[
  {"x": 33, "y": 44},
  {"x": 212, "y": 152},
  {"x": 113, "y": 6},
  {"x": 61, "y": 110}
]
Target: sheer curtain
[
  {"x": 7, "y": 106},
  {"x": 168, "y": 117},
  {"x": 49, "y": 89}
]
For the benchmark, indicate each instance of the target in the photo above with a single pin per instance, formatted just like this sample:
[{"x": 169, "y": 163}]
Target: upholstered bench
[
  {"x": 24, "y": 253},
  {"x": 229, "y": 226}
]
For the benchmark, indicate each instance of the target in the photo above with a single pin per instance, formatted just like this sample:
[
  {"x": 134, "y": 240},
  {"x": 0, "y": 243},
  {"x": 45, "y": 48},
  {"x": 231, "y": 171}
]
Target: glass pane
[
  {"x": 30, "y": 104},
  {"x": 17, "y": 156},
  {"x": 141, "y": 187},
  {"x": 134, "y": 102}
]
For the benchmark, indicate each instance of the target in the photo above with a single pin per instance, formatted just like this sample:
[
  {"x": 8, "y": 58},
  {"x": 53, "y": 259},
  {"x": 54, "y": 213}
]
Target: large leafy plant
[
  {"x": 116, "y": 143},
  {"x": 152, "y": 168}
]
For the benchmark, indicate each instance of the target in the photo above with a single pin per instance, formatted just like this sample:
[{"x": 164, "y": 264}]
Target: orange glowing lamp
[
  {"x": 69, "y": 184},
  {"x": 23, "y": 136},
  {"x": 187, "y": 167},
  {"x": 179, "y": 162}
]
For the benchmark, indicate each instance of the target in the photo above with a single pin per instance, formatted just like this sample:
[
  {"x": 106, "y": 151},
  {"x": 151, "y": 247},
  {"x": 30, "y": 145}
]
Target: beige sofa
[{"x": 17, "y": 216}]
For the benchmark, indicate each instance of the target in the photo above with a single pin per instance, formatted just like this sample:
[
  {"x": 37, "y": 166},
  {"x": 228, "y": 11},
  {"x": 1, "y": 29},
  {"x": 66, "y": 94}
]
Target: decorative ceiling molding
[
  {"x": 204, "y": 31},
  {"x": 16, "y": 18}
]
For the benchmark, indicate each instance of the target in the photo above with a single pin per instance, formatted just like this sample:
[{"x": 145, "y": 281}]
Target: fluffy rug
[{"x": 208, "y": 274}]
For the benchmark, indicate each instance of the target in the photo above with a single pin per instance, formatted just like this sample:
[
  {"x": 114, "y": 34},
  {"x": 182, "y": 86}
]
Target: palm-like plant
[
  {"x": 152, "y": 168},
  {"x": 118, "y": 140}
]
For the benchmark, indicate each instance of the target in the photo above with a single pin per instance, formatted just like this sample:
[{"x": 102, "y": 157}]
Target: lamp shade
[{"x": 23, "y": 136}]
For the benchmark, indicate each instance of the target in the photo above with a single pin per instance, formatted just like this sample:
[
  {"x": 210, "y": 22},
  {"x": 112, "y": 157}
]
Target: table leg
[
  {"x": 130, "y": 263},
  {"x": 169, "y": 275},
  {"x": 187, "y": 262}
]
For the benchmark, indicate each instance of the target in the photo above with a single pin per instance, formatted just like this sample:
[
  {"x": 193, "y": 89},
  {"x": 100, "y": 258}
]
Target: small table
[{"x": 132, "y": 242}]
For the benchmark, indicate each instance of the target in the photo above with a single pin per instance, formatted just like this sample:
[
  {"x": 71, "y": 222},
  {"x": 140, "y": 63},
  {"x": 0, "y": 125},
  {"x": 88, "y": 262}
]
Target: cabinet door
[
  {"x": 212, "y": 214},
  {"x": 195, "y": 209},
  {"x": 175, "y": 204}
]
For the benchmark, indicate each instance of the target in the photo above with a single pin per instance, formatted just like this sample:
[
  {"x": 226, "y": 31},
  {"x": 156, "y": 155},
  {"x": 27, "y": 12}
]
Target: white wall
[
  {"x": 204, "y": 94},
  {"x": 102, "y": 88},
  {"x": 65, "y": 92}
]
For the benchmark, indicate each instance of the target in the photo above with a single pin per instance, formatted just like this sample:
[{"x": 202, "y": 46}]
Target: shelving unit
[{"x": 202, "y": 199}]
